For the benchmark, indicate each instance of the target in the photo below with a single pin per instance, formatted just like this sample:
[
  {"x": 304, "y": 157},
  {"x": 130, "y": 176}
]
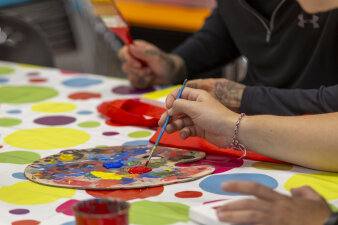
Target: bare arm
[{"x": 310, "y": 141}]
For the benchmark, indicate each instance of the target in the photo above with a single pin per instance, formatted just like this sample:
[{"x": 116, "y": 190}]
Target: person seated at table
[
  {"x": 286, "y": 48},
  {"x": 309, "y": 141}
]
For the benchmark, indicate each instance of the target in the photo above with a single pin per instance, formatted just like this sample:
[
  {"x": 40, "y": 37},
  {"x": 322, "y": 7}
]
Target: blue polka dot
[
  {"x": 84, "y": 112},
  {"x": 14, "y": 111},
  {"x": 3, "y": 80},
  {"x": 69, "y": 223},
  {"x": 81, "y": 82},
  {"x": 138, "y": 142},
  {"x": 19, "y": 175},
  {"x": 213, "y": 183}
]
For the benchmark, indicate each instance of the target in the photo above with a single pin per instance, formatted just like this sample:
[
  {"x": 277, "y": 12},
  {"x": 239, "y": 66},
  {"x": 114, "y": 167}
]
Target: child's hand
[
  {"x": 272, "y": 208},
  {"x": 199, "y": 114}
]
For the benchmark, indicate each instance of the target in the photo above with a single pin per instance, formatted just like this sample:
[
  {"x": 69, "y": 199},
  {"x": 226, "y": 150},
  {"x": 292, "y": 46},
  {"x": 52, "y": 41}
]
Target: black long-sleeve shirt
[{"x": 292, "y": 56}]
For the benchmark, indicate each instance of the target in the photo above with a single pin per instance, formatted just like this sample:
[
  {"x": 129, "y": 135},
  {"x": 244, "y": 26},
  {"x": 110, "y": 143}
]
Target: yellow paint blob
[
  {"x": 66, "y": 157},
  {"x": 325, "y": 184},
  {"x": 169, "y": 169},
  {"x": 30, "y": 193},
  {"x": 47, "y": 138},
  {"x": 53, "y": 107},
  {"x": 113, "y": 176}
]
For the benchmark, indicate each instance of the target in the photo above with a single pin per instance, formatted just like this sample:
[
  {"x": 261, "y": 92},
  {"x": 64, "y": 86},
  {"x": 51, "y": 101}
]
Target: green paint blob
[
  {"x": 19, "y": 157},
  {"x": 8, "y": 122},
  {"x": 4, "y": 70},
  {"x": 139, "y": 134},
  {"x": 101, "y": 146},
  {"x": 142, "y": 212},
  {"x": 133, "y": 163},
  {"x": 89, "y": 124},
  {"x": 271, "y": 166},
  {"x": 25, "y": 94}
]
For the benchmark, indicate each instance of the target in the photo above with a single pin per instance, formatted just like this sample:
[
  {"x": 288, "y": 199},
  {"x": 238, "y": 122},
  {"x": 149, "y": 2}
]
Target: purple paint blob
[
  {"x": 112, "y": 164},
  {"x": 127, "y": 90},
  {"x": 221, "y": 163},
  {"x": 110, "y": 133},
  {"x": 55, "y": 120},
  {"x": 19, "y": 211}
]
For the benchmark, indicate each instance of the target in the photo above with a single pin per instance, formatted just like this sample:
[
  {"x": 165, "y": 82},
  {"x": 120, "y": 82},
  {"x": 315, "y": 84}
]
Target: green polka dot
[
  {"x": 89, "y": 124},
  {"x": 142, "y": 212},
  {"x": 139, "y": 134},
  {"x": 333, "y": 208},
  {"x": 25, "y": 94},
  {"x": 29, "y": 66},
  {"x": 271, "y": 166},
  {"x": 19, "y": 157},
  {"x": 8, "y": 122},
  {"x": 4, "y": 70}
]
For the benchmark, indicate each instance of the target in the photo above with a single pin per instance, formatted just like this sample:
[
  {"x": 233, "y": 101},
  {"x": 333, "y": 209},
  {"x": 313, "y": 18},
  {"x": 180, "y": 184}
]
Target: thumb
[{"x": 306, "y": 192}]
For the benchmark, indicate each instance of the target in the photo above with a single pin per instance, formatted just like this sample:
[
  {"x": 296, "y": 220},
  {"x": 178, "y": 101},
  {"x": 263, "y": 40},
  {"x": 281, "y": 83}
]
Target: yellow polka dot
[
  {"x": 325, "y": 184},
  {"x": 29, "y": 66},
  {"x": 53, "y": 107},
  {"x": 46, "y": 138},
  {"x": 30, "y": 193}
]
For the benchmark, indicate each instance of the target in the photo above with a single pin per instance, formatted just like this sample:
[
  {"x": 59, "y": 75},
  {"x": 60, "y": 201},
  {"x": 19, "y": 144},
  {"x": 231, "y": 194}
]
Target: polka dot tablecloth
[{"x": 40, "y": 108}]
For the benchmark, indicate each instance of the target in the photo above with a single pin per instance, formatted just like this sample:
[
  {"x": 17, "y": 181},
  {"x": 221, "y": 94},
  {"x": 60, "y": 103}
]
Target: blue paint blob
[
  {"x": 19, "y": 175},
  {"x": 14, "y": 111},
  {"x": 112, "y": 164},
  {"x": 81, "y": 82},
  {"x": 84, "y": 112},
  {"x": 3, "y": 80},
  {"x": 69, "y": 223},
  {"x": 138, "y": 142},
  {"x": 213, "y": 183}
]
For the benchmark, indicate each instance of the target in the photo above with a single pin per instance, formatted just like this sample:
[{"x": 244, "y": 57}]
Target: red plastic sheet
[
  {"x": 197, "y": 143},
  {"x": 131, "y": 112}
]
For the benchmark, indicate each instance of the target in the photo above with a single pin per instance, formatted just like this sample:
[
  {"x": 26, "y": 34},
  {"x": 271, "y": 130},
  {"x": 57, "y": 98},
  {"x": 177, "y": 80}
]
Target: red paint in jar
[{"x": 104, "y": 211}]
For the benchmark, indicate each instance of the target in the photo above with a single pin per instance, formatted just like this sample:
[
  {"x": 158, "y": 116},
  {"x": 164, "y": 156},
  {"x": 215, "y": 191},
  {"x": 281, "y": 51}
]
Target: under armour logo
[{"x": 313, "y": 21}]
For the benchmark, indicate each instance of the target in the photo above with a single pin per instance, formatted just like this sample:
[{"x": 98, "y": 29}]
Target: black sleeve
[
  {"x": 267, "y": 100},
  {"x": 209, "y": 48}
]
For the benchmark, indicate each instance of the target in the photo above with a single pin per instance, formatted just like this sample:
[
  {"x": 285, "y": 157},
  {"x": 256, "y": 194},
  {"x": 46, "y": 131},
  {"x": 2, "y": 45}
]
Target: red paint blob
[
  {"x": 26, "y": 222},
  {"x": 37, "y": 80},
  {"x": 130, "y": 194},
  {"x": 84, "y": 95},
  {"x": 189, "y": 194},
  {"x": 139, "y": 170}
]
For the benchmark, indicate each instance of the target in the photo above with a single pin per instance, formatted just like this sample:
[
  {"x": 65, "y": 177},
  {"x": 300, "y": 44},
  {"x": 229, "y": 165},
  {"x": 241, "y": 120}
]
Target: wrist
[
  {"x": 178, "y": 70},
  {"x": 332, "y": 219}
]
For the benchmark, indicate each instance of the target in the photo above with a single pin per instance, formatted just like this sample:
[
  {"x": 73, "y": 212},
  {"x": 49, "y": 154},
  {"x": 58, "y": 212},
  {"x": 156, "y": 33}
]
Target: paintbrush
[
  {"x": 164, "y": 125},
  {"x": 120, "y": 27}
]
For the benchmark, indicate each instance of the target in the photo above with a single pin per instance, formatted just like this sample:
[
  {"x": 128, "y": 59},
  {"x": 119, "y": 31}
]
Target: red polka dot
[
  {"x": 111, "y": 123},
  {"x": 37, "y": 80},
  {"x": 129, "y": 194},
  {"x": 189, "y": 194},
  {"x": 26, "y": 222},
  {"x": 1, "y": 146},
  {"x": 84, "y": 95},
  {"x": 68, "y": 72}
]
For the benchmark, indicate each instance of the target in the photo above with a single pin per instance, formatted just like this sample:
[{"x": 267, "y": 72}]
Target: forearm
[
  {"x": 310, "y": 141},
  {"x": 179, "y": 69}
]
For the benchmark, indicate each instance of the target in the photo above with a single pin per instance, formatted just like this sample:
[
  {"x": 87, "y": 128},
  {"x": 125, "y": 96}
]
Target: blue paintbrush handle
[{"x": 165, "y": 124}]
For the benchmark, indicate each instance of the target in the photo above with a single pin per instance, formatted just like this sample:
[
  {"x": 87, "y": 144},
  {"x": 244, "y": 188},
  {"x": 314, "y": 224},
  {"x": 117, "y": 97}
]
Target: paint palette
[{"x": 84, "y": 169}]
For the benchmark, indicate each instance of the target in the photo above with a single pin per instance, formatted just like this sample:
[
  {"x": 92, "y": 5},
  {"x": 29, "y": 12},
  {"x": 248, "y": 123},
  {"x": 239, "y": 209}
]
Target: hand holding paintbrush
[{"x": 164, "y": 125}]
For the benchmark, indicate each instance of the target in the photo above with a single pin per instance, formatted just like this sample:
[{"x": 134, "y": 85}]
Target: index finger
[
  {"x": 188, "y": 94},
  {"x": 252, "y": 188}
]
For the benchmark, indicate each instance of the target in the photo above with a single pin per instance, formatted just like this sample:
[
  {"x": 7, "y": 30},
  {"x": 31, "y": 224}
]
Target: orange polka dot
[{"x": 26, "y": 222}]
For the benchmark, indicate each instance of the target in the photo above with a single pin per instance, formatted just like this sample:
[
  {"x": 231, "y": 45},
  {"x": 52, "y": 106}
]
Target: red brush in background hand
[{"x": 120, "y": 27}]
